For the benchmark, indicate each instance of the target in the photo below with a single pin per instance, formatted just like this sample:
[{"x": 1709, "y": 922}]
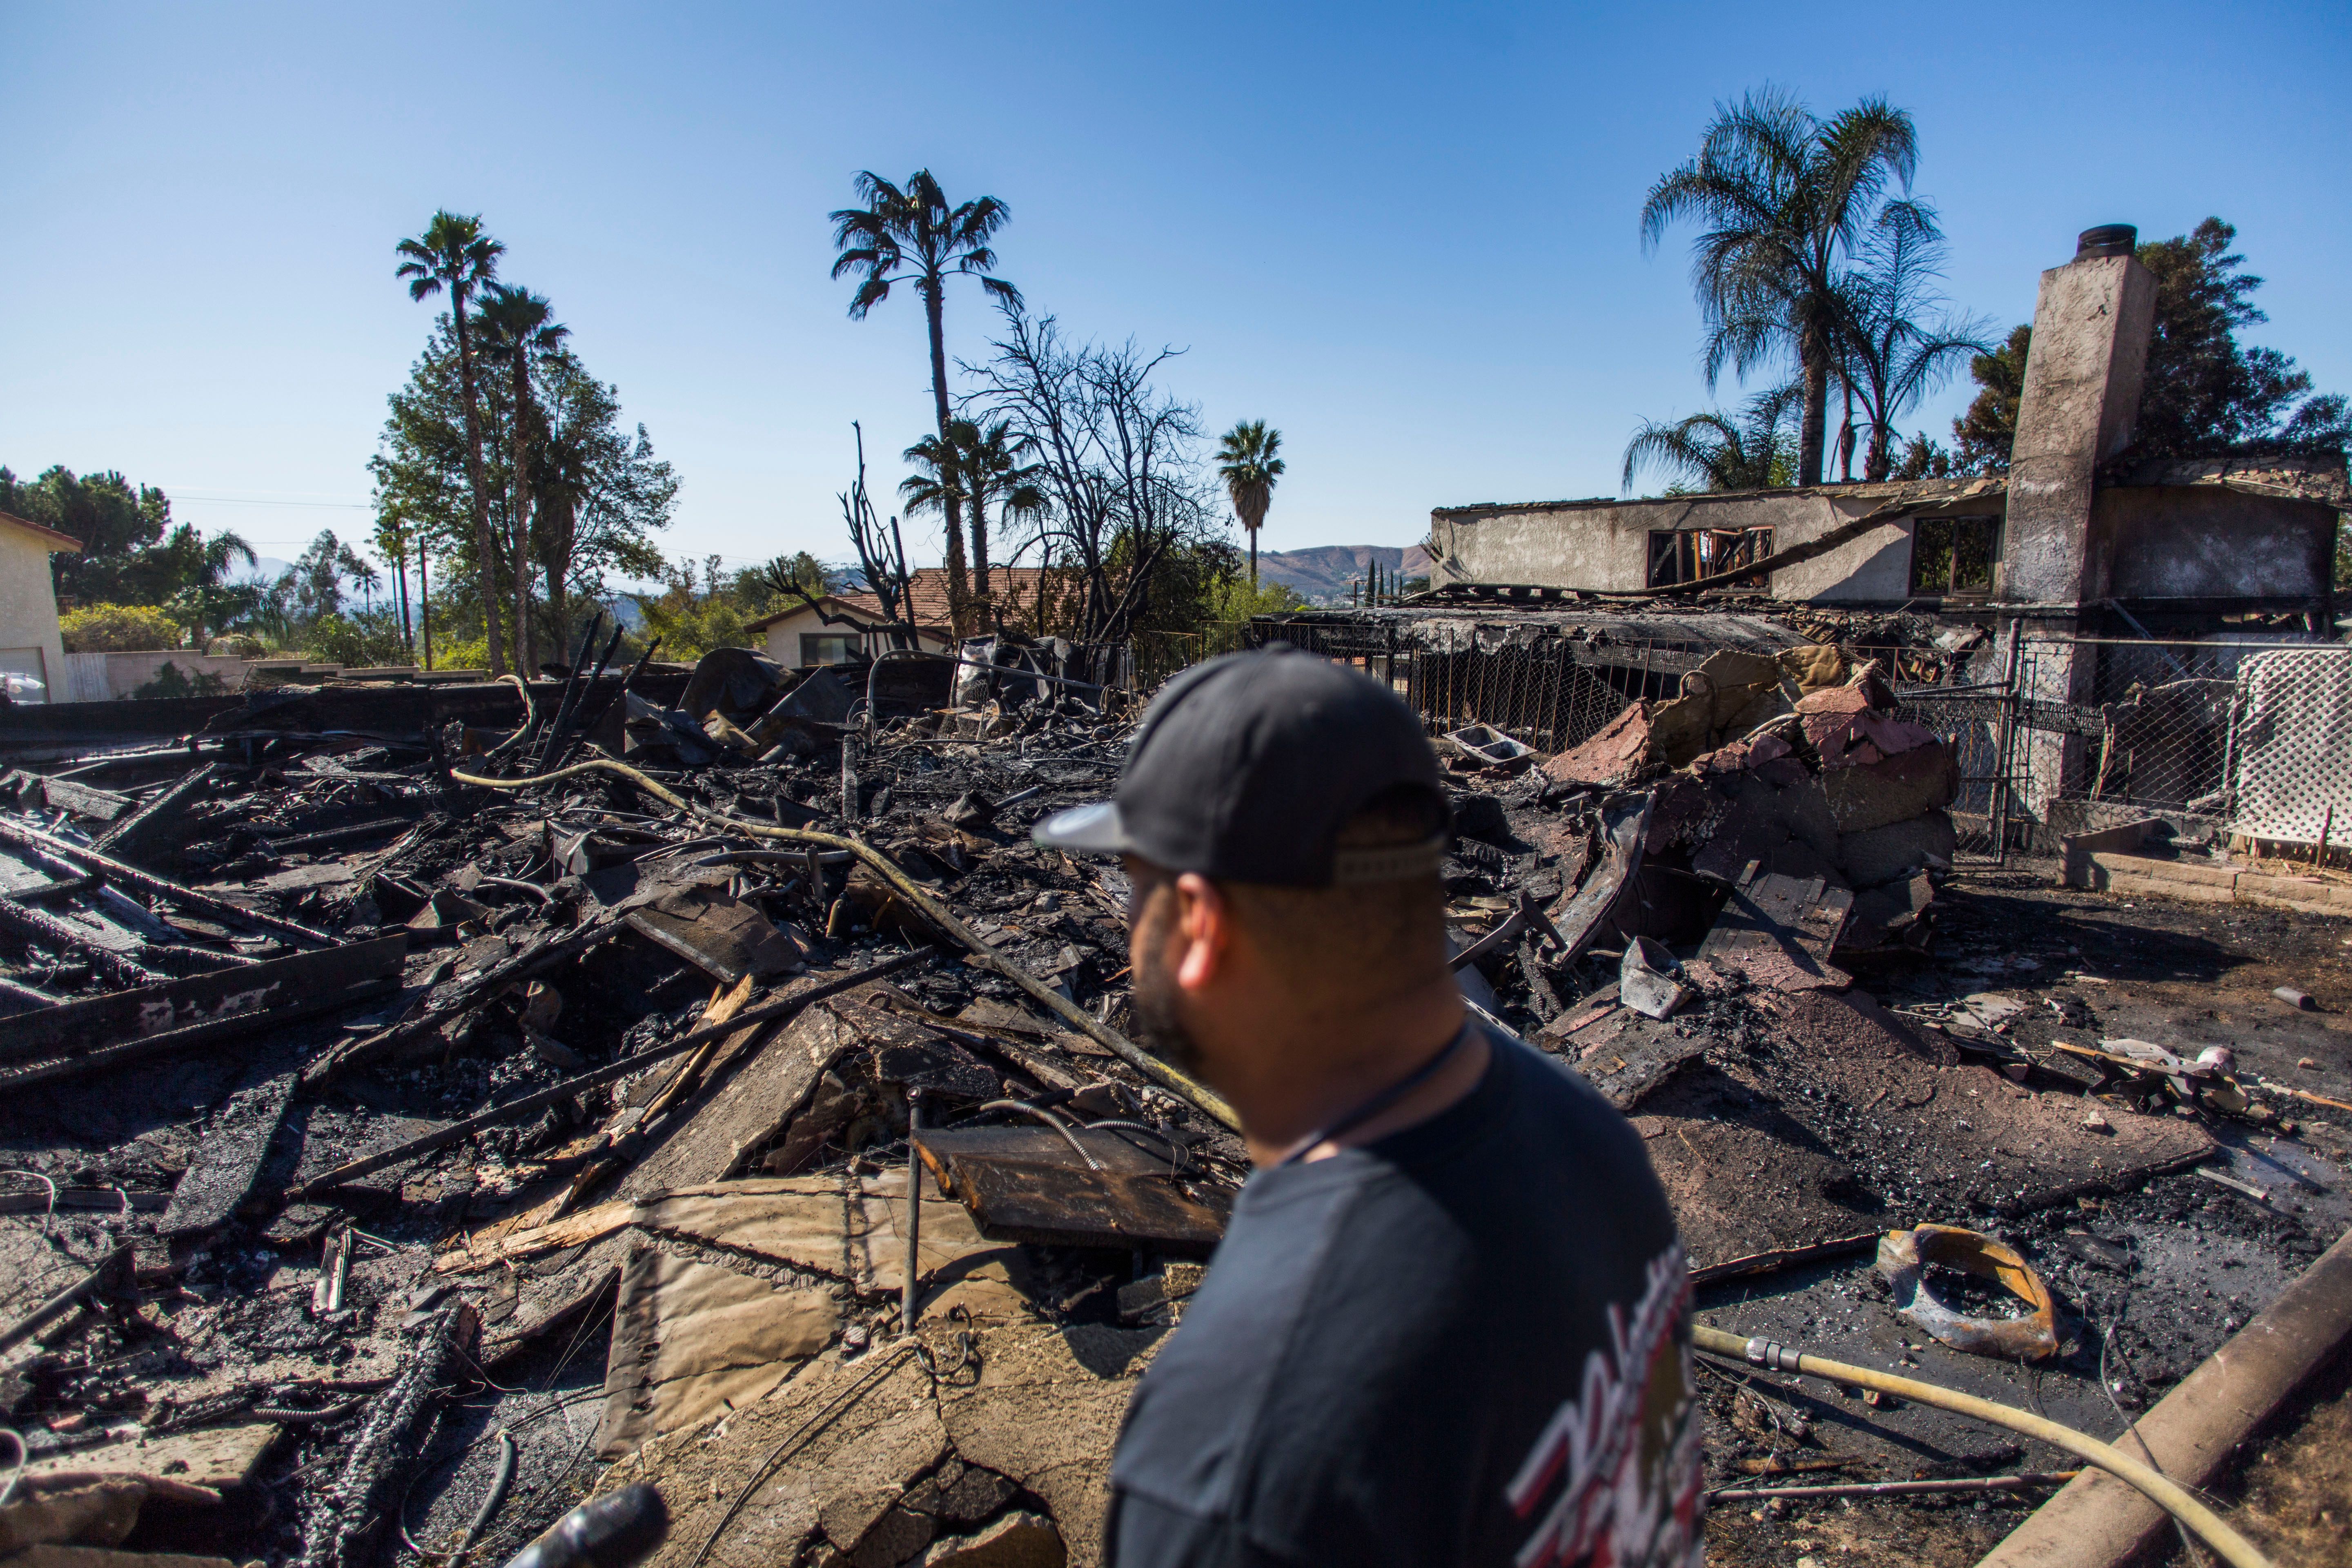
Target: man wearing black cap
[{"x": 1449, "y": 1321}]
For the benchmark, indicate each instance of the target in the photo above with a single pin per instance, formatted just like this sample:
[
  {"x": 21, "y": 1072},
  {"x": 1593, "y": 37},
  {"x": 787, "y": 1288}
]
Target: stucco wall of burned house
[{"x": 1608, "y": 546}]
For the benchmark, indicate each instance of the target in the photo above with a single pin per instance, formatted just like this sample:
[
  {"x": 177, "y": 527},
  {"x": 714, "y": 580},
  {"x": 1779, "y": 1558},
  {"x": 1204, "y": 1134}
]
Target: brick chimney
[{"x": 2091, "y": 328}]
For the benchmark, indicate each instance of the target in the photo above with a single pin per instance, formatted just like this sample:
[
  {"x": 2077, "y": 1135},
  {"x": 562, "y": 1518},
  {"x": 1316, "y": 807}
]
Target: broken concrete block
[
  {"x": 1879, "y": 855},
  {"x": 1016, "y": 1540}
]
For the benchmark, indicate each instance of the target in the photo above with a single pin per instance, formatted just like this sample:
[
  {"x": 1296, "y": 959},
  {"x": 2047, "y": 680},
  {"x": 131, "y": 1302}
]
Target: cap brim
[{"x": 1093, "y": 829}]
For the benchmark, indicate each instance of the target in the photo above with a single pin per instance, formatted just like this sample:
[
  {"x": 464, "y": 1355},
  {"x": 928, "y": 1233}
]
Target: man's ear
[{"x": 1204, "y": 925}]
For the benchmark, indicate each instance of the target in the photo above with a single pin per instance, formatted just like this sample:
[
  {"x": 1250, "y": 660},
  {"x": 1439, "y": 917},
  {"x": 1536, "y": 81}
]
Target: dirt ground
[{"x": 2150, "y": 1282}]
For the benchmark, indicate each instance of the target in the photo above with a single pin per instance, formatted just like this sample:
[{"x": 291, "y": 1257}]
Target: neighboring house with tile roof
[
  {"x": 32, "y": 653},
  {"x": 797, "y": 636}
]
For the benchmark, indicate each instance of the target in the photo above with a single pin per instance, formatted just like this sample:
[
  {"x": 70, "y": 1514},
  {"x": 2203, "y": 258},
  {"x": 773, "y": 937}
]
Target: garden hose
[
  {"x": 936, "y": 914},
  {"x": 2170, "y": 1495}
]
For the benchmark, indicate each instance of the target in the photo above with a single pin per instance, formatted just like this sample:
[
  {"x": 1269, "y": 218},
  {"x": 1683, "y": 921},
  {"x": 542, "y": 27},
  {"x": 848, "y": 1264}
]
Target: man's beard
[{"x": 1156, "y": 1024}]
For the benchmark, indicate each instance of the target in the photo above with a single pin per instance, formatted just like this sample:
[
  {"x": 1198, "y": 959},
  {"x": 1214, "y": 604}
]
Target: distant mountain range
[{"x": 1323, "y": 575}]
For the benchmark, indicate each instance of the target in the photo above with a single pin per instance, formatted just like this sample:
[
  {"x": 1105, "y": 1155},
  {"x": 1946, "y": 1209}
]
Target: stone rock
[{"x": 1016, "y": 1540}]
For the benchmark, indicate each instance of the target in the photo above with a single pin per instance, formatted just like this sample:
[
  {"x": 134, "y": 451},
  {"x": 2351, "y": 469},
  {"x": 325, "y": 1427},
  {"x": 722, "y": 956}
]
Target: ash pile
[{"x": 718, "y": 1089}]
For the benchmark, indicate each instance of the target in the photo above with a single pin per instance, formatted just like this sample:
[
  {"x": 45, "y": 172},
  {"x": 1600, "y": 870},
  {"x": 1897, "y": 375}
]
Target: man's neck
[{"x": 1301, "y": 1073}]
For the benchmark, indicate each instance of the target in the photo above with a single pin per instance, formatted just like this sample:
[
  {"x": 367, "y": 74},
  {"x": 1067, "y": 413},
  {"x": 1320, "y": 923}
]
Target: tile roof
[{"x": 929, "y": 590}]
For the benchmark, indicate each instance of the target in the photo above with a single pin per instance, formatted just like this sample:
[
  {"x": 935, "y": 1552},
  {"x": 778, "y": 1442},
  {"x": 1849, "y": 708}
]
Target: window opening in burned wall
[
  {"x": 1683, "y": 555},
  {"x": 1954, "y": 556}
]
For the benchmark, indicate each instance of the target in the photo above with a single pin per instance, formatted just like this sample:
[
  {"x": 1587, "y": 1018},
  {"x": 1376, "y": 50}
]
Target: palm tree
[
  {"x": 975, "y": 466},
  {"x": 453, "y": 254},
  {"x": 1890, "y": 354},
  {"x": 1709, "y": 451},
  {"x": 1246, "y": 462},
  {"x": 913, "y": 235},
  {"x": 207, "y": 603},
  {"x": 1784, "y": 198},
  {"x": 516, "y": 325}
]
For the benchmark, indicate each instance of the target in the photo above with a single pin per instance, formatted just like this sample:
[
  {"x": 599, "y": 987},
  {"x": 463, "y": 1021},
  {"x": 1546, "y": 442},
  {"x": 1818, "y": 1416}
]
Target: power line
[{"x": 256, "y": 500}]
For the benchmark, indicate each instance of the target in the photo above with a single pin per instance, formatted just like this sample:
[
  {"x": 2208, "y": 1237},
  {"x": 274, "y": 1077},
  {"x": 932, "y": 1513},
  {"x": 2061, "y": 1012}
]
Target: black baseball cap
[{"x": 1247, "y": 766}]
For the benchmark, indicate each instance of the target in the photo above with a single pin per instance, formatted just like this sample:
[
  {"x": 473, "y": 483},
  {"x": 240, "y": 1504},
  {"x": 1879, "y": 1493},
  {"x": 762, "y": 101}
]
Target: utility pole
[{"x": 423, "y": 601}]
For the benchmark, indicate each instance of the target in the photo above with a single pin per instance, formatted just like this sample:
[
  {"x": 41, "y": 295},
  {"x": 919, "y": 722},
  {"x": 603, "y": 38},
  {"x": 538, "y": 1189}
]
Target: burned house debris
[
  {"x": 439, "y": 1106},
  {"x": 434, "y": 1111}
]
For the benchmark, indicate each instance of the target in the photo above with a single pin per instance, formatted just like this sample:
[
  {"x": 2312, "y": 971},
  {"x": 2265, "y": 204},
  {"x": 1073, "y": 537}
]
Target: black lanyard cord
[{"x": 1381, "y": 1101}]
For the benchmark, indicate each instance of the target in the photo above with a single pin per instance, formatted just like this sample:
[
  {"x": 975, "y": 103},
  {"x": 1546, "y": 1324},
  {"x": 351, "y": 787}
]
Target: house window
[
  {"x": 827, "y": 647},
  {"x": 1954, "y": 556},
  {"x": 1683, "y": 556}
]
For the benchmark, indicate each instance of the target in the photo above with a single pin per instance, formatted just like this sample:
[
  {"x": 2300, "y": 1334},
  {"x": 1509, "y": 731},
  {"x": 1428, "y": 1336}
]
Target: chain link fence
[
  {"x": 1548, "y": 692},
  {"x": 2255, "y": 733}
]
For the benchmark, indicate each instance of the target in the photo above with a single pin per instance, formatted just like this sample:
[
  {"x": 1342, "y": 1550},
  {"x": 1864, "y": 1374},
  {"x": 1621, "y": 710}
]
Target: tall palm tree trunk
[
  {"x": 1252, "y": 532},
  {"x": 526, "y": 633},
  {"x": 485, "y": 541},
  {"x": 984, "y": 605},
  {"x": 1812, "y": 435},
  {"x": 959, "y": 589}
]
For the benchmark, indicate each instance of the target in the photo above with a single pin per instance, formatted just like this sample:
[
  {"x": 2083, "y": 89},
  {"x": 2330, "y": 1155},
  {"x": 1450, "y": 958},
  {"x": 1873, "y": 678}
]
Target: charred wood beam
[
  {"x": 39, "y": 925},
  {"x": 82, "y": 1036},
  {"x": 347, "y": 1514},
  {"x": 126, "y": 834},
  {"x": 376, "y": 1048},
  {"x": 124, "y": 876}
]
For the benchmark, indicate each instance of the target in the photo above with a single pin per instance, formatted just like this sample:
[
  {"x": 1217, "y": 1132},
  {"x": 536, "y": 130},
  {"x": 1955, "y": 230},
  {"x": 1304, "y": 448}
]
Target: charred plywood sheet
[
  {"x": 1778, "y": 931},
  {"x": 228, "y": 1157},
  {"x": 1028, "y": 1184},
  {"x": 746, "y": 1098}
]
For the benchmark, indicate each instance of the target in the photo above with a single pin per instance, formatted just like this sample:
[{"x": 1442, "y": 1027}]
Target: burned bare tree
[
  {"x": 881, "y": 555},
  {"x": 1117, "y": 460}
]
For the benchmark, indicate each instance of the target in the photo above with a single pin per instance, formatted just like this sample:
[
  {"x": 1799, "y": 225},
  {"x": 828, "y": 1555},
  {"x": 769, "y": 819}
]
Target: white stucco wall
[
  {"x": 28, "y": 607},
  {"x": 782, "y": 640},
  {"x": 1604, "y": 545}
]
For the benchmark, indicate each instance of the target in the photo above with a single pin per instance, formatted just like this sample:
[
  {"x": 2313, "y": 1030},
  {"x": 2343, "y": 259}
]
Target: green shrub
[
  {"x": 118, "y": 628},
  {"x": 364, "y": 639}
]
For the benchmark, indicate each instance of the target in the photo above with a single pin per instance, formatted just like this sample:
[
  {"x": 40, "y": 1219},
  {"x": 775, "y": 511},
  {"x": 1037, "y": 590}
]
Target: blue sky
[{"x": 1405, "y": 235}]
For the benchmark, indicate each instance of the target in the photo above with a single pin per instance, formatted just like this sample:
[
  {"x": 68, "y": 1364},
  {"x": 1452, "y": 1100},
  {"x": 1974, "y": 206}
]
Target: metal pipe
[
  {"x": 2007, "y": 748},
  {"x": 1899, "y": 1488},
  {"x": 2234, "y": 1549},
  {"x": 911, "y": 1291}
]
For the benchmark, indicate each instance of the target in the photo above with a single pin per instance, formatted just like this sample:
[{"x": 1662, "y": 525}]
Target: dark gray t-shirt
[{"x": 1465, "y": 1343}]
